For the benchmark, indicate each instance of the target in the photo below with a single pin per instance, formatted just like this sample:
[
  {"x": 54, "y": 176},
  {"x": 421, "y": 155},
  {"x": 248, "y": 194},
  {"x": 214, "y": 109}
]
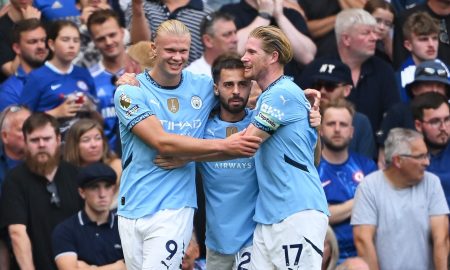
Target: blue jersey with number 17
[
  {"x": 288, "y": 180},
  {"x": 230, "y": 191},
  {"x": 184, "y": 109}
]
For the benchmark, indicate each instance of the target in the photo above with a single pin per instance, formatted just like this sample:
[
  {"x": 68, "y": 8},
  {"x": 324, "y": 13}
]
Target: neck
[
  {"x": 25, "y": 66},
  {"x": 164, "y": 79},
  {"x": 228, "y": 116},
  {"x": 335, "y": 157},
  {"x": 210, "y": 56},
  {"x": 51, "y": 174},
  {"x": 395, "y": 177},
  {"x": 97, "y": 217},
  {"x": 354, "y": 63},
  {"x": 272, "y": 75},
  {"x": 174, "y": 4},
  {"x": 114, "y": 64},
  {"x": 12, "y": 154},
  {"x": 14, "y": 14},
  {"x": 62, "y": 66},
  {"x": 439, "y": 7},
  {"x": 416, "y": 60}
]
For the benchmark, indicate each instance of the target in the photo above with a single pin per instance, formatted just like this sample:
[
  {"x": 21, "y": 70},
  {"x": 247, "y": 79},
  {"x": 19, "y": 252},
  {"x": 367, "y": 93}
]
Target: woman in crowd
[
  {"x": 384, "y": 14},
  {"x": 58, "y": 87},
  {"x": 86, "y": 143}
]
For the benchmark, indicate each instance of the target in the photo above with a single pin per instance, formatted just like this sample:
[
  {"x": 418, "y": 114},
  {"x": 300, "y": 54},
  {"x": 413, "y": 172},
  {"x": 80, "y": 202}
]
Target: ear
[
  {"x": 418, "y": 125},
  {"x": 51, "y": 44},
  {"x": 16, "y": 48},
  {"x": 346, "y": 39},
  {"x": 4, "y": 137},
  {"x": 347, "y": 90},
  {"x": 207, "y": 41},
  {"x": 397, "y": 161},
  {"x": 81, "y": 192},
  {"x": 352, "y": 129},
  {"x": 407, "y": 44},
  {"x": 216, "y": 90},
  {"x": 274, "y": 57}
]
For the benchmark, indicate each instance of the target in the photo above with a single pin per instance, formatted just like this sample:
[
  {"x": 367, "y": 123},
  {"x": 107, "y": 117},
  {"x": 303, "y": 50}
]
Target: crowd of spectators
[{"x": 381, "y": 67}]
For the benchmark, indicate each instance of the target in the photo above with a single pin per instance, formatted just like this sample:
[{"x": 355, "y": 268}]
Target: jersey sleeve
[
  {"x": 130, "y": 104},
  {"x": 63, "y": 241},
  {"x": 437, "y": 201},
  {"x": 280, "y": 108}
]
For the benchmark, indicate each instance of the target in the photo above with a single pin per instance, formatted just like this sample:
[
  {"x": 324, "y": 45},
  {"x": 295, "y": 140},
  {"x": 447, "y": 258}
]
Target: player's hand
[
  {"x": 313, "y": 97},
  {"x": 128, "y": 79},
  {"x": 30, "y": 12},
  {"x": 315, "y": 118},
  {"x": 241, "y": 145},
  {"x": 169, "y": 163}
]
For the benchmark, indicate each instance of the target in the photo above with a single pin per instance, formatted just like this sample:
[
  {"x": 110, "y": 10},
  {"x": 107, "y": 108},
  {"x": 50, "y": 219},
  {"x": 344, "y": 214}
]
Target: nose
[{"x": 108, "y": 41}]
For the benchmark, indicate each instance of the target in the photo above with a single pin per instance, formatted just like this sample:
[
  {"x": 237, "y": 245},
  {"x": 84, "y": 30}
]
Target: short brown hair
[
  {"x": 39, "y": 120},
  {"x": 421, "y": 24},
  {"x": 101, "y": 16},
  {"x": 340, "y": 103}
]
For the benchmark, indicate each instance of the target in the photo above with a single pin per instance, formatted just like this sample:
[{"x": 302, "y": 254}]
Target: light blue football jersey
[
  {"x": 288, "y": 181},
  {"x": 184, "y": 110},
  {"x": 230, "y": 189}
]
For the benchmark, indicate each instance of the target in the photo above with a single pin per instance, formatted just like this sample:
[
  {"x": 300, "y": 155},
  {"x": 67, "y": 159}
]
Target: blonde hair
[
  {"x": 273, "y": 39},
  {"x": 143, "y": 53},
  {"x": 173, "y": 27}
]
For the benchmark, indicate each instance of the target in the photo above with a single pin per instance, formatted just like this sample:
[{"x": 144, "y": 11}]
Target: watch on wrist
[{"x": 265, "y": 15}]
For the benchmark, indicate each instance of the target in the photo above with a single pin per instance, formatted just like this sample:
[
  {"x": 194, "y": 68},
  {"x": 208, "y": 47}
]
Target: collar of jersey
[
  {"x": 150, "y": 79},
  {"x": 56, "y": 70}
]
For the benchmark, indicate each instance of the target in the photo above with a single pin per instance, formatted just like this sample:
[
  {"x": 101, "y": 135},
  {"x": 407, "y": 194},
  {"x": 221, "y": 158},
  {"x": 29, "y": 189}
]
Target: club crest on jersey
[
  {"x": 82, "y": 85},
  {"x": 231, "y": 130},
  {"x": 196, "y": 102},
  {"x": 173, "y": 105},
  {"x": 125, "y": 101}
]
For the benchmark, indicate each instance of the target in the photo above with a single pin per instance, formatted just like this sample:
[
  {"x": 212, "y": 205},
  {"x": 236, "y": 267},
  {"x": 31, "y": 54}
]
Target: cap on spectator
[
  {"x": 96, "y": 172},
  {"x": 333, "y": 70},
  {"x": 430, "y": 71}
]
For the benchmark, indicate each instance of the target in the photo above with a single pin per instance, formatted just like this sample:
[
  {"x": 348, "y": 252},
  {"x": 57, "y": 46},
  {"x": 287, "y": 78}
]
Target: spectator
[
  {"x": 86, "y": 144},
  {"x": 60, "y": 88},
  {"x": 321, "y": 18},
  {"x": 251, "y": 13},
  {"x": 18, "y": 10},
  {"x": 432, "y": 119},
  {"x": 141, "y": 56},
  {"x": 374, "y": 89},
  {"x": 402, "y": 204},
  {"x": 30, "y": 48},
  {"x": 90, "y": 238},
  {"x": 334, "y": 80},
  {"x": 401, "y": 6},
  {"x": 108, "y": 37},
  {"x": 384, "y": 14},
  {"x": 144, "y": 17},
  {"x": 430, "y": 76},
  {"x": 341, "y": 171},
  {"x": 421, "y": 32},
  {"x": 439, "y": 10},
  {"x": 218, "y": 33},
  {"x": 38, "y": 194}
]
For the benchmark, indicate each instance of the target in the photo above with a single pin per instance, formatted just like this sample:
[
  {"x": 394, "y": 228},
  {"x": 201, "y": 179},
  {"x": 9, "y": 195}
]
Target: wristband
[{"x": 265, "y": 15}]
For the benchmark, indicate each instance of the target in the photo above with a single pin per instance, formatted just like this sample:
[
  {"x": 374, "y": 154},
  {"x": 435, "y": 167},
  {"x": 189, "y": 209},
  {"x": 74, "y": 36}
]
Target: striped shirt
[{"x": 191, "y": 15}]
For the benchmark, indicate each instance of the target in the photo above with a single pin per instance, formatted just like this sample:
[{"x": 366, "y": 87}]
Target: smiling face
[
  {"x": 108, "y": 38},
  {"x": 172, "y": 53},
  {"x": 255, "y": 59},
  {"x": 66, "y": 46}
]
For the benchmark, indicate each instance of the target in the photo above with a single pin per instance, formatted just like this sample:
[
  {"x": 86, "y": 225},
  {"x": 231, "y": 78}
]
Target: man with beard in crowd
[{"x": 38, "y": 194}]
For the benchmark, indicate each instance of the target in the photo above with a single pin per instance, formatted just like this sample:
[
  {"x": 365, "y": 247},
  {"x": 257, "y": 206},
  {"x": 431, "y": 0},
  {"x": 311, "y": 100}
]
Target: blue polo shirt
[{"x": 94, "y": 244}]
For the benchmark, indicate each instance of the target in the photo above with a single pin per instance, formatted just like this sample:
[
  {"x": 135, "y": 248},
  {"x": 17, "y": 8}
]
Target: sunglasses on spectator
[
  {"x": 328, "y": 86},
  {"x": 443, "y": 34},
  {"x": 437, "y": 122},
  {"x": 54, "y": 199},
  {"x": 432, "y": 71}
]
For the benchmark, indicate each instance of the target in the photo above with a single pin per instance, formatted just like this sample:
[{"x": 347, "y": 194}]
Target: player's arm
[
  {"x": 439, "y": 236},
  {"x": 340, "y": 212},
  {"x": 21, "y": 244},
  {"x": 151, "y": 132},
  {"x": 364, "y": 236}
]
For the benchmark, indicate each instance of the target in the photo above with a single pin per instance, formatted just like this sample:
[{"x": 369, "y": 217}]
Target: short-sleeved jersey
[
  {"x": 288, "y": 180},
  {"x": 11, "y": 89},
  {"x": 46, "y": 87},
  {"x": 184, "y": 110},
  {"x": 400, "y": 216},
  {"x": 230, "y": 189},
  {"x": 104, "y": 85},
  {"x": 339, "y": 182}
]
